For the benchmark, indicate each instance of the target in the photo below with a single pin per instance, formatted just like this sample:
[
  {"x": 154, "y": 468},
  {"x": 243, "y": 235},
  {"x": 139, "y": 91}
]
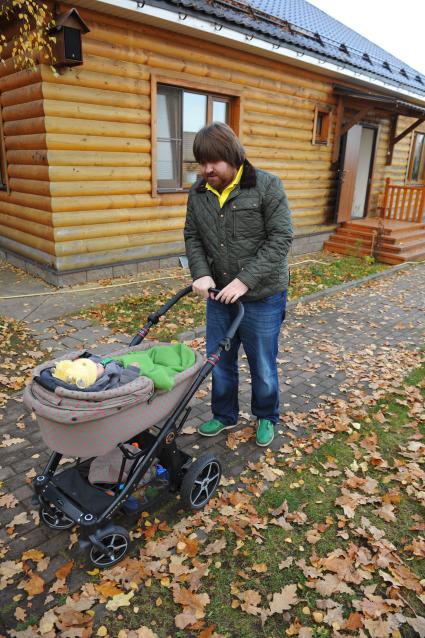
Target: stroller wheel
[
  {"x": 54, "y": 518},
  {"x": 115, "y": 541},
  {"x": 200, "y": 481}
]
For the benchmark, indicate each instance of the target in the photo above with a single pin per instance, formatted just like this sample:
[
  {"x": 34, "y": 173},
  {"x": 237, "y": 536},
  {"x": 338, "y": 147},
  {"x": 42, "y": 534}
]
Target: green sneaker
[
  {"x": 213, "y": 427},
  {"x": 265, "y": 432}
]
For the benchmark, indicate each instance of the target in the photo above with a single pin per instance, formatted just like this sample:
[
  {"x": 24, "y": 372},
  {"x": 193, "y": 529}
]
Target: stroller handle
[
  {"x": 155, "y": 316},
  {"x": 237, "y": 320}
]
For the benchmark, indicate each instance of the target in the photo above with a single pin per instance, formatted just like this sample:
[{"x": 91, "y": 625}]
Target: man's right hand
[{"x": 201, "y": 286}]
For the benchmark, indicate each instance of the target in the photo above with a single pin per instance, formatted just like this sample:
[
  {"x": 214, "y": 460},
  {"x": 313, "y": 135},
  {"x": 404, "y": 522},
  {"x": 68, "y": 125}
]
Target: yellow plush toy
[{"x": 80, "y": 372}]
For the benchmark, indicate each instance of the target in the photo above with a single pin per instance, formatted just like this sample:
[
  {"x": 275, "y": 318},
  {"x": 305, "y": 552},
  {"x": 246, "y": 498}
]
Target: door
[
  {"x": 357, "y": 153},
  {"x": 361, "y": 189},
  {"x": 350, "y": 152}
]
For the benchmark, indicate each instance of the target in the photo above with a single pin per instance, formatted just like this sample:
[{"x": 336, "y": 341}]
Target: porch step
[
  {"x": 406, "y": 236},
  {"x": 405, "y": 246},
  {"x": 398, "y": 242}
]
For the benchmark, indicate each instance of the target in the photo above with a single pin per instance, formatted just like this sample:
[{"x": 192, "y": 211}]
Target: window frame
[
  {"x": 229, "y": 94},
  {"x": 4, "y": 180},
  {"x": 421, "y": 168},
  {"x": 325, "y": 112}
]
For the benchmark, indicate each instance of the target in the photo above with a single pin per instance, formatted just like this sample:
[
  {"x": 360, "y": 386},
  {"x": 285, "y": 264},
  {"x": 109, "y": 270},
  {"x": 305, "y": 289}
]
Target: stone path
[{"x": 329, "y": 348}]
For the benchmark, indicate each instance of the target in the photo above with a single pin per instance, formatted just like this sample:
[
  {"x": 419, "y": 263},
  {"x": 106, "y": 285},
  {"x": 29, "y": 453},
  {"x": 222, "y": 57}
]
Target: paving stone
[{"x": 78, "y": 323}]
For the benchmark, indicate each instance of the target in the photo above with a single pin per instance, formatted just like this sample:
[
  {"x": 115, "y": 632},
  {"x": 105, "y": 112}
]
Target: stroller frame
[{"x": 108, "y": 543}]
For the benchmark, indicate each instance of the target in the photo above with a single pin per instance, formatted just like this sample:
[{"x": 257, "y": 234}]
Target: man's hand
[
  {"x": 201, "y": 285},
  {"x": 232, "y": 291}
]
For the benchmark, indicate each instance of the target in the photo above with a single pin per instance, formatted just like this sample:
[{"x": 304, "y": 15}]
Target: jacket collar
[{"x": 248, "y": 179}]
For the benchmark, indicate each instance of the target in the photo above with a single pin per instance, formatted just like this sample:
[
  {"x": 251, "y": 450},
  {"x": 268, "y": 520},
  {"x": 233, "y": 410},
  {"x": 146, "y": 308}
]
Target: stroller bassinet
[{"x": 87, "y": 424}]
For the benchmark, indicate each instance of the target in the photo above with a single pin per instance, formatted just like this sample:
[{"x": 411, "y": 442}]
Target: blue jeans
[{"x": 259, "y": 335}]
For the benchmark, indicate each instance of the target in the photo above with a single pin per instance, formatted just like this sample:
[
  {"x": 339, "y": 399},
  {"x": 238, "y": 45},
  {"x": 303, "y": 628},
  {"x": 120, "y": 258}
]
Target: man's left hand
[{"x": 232, "y": 291}]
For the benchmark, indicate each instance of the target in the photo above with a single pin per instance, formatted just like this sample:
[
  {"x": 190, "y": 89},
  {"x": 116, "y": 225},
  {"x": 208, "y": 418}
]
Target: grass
[
  {"x": 129, "y": 314},
  {"x": 231, "y": 571}
]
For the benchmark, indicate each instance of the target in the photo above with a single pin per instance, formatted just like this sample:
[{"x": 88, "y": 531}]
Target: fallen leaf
[{"x": 284, "y": 600}]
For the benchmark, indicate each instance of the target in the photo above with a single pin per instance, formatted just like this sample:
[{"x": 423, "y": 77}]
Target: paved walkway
[{"x": 330, "y": 348}]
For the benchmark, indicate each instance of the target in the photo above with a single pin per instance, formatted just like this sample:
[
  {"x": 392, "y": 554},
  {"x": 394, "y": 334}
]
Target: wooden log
[
  {"x": 93, "y": 158},
  {"x": 59, "y": 108},
  {"x": 294, "y": 107},
  {"x": 297, "y": 192},
  {"x": 30, "y": 200},
  {"x": 76, "y": 126},
  {"x": 27, "y": 157},
  {"x": 113, "y": 50},
  {"x": 116, "y": 67},
  {"x": 256, "y": 143},
  {"x": 28, "y": 239},
  {"x": 85, "y": 95},
  {"x": 278, "y": 165},
  {"x": 22, "y": 142},
  {"x": 19, "y": 79},
  {"x": 172, "y": 199},
  {"x": 102, "y": 231},
  {"x": 29, "y": 126},
  {"x": 24, "y": 171},
  {"x": 98, "y": 244},
  {"x": 273, "y": 100},
  {"x": 27, "y": 213},
  {"x": 22, "y": 94},
  {"x": 93, "y": 143},
  {"x": 112, "y": 201},
  {"x": 316, "y": 155},
  {"x": 23, "y": 111},
  {"x": 87, "y": 174},
  {"x": 304, "y": 120},
  {"x": 116, "y": 215},
  {"x": 97, "y": 80},
  {"x": 30, "y": 186},
  {"x": 79, "y": 189},
  {"x": 15, "y": 223},
  {"x": 295, "y": 132}
]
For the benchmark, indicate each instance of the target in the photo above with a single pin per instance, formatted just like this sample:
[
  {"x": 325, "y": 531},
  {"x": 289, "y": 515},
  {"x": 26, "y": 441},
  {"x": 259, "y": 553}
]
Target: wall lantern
[{"x": 68, "y": 49}]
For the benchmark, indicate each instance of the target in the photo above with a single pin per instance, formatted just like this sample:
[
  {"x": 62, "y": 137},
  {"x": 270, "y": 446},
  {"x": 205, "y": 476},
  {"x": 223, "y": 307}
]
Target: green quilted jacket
[{"x": 249, "y": 238}]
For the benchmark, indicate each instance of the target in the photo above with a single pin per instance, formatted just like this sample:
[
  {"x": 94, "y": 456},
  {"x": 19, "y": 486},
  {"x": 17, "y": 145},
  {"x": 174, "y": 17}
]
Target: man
[{"x": 238, "y": 233}]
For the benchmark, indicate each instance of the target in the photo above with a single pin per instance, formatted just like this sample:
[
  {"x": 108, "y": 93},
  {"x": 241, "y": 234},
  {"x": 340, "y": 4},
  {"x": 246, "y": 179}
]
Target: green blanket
[{"x": 161, "y": 363}]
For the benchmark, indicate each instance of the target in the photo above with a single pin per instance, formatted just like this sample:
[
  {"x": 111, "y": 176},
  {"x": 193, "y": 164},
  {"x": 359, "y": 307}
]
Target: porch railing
[{"x": 403, "y": 203}]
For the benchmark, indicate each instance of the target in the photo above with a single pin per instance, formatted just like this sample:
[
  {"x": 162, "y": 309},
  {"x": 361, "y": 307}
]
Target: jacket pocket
[{"x": 247, "y": 218}]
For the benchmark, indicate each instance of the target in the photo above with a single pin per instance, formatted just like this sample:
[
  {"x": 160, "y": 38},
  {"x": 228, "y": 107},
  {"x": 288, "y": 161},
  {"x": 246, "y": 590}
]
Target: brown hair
[{"x": 218, "y": 143}]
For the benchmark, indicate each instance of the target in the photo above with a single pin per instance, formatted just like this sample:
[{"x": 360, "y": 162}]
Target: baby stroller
[{"x": 137, "y": 423}]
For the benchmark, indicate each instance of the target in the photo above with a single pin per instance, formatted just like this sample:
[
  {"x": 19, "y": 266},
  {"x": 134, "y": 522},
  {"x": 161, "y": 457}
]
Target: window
[
  {"x": 181, "y": 112},
  {"x": 417, "y": 159},
  {"x": 321, "y": 125}
]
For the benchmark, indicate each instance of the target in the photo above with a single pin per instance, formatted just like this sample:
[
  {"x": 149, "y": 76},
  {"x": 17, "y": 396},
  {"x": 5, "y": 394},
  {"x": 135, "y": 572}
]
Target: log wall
[{"x": 79, "y": 144}]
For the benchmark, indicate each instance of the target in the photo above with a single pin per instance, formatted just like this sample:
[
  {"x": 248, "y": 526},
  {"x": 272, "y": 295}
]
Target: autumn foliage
[{"x": 31, "y": 38}]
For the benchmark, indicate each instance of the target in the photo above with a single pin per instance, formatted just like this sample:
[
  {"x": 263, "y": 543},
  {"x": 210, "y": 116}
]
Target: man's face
[{"x": 218, "y": 174}]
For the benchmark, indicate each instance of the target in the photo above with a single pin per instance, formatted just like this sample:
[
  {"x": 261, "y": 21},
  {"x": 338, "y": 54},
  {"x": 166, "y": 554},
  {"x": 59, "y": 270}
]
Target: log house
[{"x": 91, "y": 186}]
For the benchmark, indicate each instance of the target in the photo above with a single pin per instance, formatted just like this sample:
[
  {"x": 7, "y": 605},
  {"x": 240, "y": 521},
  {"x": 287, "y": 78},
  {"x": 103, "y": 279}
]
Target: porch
[{"x": 396, "y": 236}]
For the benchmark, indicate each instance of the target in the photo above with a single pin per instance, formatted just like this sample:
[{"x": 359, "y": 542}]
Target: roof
[{"x": 299, "y": 25}]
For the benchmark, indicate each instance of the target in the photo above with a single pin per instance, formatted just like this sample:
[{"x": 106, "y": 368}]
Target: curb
[{"x": 327, "y": 292}]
